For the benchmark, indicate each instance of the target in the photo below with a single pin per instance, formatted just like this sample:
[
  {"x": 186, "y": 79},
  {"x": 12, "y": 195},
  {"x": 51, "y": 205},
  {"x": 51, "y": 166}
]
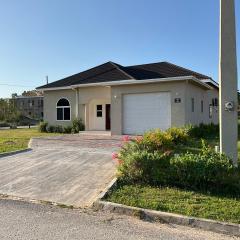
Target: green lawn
[
  {"x": 181, "y": 201},
  {"x": 17, "y": 139},
  {"x": 178, "y": 201}
]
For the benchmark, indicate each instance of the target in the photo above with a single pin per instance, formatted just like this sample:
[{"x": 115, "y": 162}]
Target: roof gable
[{"x": 106, "y": 72}]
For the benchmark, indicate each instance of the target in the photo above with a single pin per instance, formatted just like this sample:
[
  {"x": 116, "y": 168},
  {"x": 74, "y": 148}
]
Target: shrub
[
  {"x": 151, "y": 160},
  {"x": 179, "y": 135},
  {"x": 146, "y": 159},
  {"x": 205, "y": 171},
  {"x": 78, "y": 125},
  {"x": 145, "y": 167},
  {"x": 4, "y": 124},
  {"x": 50, "y": 128},
  {"x": 157, "y": 140},
  {"x": 67, "y": 129},
  {"x": 43, "y": 127},
  {"x": 13, "y": 126},
  {"x": 204, "y": 131},
  {"x": 58, "y": 129}
]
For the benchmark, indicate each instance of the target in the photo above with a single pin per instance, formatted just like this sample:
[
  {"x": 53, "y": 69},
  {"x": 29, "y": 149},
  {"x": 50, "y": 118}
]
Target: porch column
[
  {"x": 228, "y": 81},
  {"x": 86, "y": 116},
  {"x": 77, "y": 103}
]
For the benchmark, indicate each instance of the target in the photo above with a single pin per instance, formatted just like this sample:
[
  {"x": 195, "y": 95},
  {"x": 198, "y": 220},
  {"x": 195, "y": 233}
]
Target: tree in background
[{"x": 8, "y": 111}]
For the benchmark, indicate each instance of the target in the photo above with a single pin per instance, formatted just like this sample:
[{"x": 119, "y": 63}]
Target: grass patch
[
  {"x": 178, "y": 201},
  {"x": 17, "y": 139}
]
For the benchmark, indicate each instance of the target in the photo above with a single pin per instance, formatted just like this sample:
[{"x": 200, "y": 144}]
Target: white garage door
[{"x": 142, "y": 112}]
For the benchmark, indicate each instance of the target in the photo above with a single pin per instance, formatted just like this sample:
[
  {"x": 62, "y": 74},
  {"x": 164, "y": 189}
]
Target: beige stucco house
[{"x": 133, "y": 99}]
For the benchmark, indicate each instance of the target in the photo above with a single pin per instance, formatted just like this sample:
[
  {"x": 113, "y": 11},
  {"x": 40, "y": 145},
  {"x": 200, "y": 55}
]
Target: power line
[{"x": 13, "y": 85}]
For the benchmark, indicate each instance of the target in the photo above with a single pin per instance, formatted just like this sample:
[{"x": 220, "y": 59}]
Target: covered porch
[
  {"x": 98, "y": 115},
  {"x": 93, "y": 106}
]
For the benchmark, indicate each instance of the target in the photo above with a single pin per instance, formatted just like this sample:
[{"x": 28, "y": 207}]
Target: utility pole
[{"x": 228, "y": 81}]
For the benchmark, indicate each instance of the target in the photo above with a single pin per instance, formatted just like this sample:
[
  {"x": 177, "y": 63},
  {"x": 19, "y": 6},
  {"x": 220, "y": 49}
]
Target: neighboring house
[
  {"x": 133, "y": 99},
  {"x": 29, "y": 106}
]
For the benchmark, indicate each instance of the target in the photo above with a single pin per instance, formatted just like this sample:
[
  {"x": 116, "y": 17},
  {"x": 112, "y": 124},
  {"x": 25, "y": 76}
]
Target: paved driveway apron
[{"x": 70, "y": 169}]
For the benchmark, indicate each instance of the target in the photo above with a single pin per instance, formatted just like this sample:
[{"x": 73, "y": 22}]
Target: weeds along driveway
[{"x": 69, "y": 169}]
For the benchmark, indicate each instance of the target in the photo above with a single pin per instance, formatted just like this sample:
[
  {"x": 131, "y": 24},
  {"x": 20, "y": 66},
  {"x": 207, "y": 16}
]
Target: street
[{"x": 24, "y": 221}]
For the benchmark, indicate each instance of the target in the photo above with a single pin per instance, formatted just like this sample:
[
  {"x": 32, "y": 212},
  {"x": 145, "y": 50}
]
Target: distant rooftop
[{"x": 28, "y": 94}]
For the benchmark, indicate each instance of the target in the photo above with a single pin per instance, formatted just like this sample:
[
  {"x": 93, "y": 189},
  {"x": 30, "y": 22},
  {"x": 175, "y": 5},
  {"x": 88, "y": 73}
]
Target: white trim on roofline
[
  {"x": 132, "y": 81},
  {"x": 211, "y": 81},
  {"x": 17, "y": 97},
  {"x": 54, "y": 88}
]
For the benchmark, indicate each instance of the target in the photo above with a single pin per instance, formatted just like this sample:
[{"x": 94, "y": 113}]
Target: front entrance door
[{"x": 108, "y": 116}]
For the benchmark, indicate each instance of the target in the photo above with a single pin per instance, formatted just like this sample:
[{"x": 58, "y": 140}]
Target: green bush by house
[
  {"x": 205, "y": 171},
  {"x": 77, "y": 125},
  {"x": 43, "y": 127},
  {"x": 155, "y": 159},
  {"x": 67, "y": 129},
  {"x": 146, "y": 159},
  {"x": 204, "y": 131}
]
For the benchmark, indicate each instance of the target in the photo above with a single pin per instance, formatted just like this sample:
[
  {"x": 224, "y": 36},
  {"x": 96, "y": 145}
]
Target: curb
[
  {"x": 107, "y": 190},
  {"x": 35, "y": 201},
  {"x": 169, "y": 218},
  {"x": 14, "y": 152},
  {"x": 30, "y": 143},
  {"x": 29, "y": 148}
]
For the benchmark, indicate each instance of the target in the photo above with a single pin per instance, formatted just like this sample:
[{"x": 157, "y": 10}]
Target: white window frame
[
  {"x": 63, "y": 107},
  {"x": 192, "y": 105},
  {"x": 202, "y": 106},
  {"x": 99, "y": 111},
  {"x": 210, "y": 111}
]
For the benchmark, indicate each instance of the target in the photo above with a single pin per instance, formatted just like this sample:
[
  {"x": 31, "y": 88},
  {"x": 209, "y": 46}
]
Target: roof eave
[
  {"x": 215, "y": 84},
  {"x": 131, "y": 81}
]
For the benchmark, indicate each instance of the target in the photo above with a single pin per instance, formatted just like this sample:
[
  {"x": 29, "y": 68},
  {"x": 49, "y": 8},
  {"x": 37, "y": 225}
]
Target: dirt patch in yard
[{"x": 10, "y": 143}]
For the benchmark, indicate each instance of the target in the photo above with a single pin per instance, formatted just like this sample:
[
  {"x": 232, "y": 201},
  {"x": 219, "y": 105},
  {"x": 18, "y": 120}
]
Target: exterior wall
[
  {"x": 29, "y": 106},
  {"x": 198, "y": 94},
  {"x": 210, "y": 95},
  {"x": 50, "y": 102},
  {"x": 177, "y": 90},
  {"x": 82, "y": 104}
]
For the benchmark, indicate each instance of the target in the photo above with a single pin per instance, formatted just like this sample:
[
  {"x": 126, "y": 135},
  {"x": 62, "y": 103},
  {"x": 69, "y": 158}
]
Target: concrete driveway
[{"x": 70, "y": 169}]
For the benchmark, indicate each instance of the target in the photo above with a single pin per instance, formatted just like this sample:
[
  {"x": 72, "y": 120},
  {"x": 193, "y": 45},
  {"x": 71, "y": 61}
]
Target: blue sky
[{"x": 61, "y": 37}]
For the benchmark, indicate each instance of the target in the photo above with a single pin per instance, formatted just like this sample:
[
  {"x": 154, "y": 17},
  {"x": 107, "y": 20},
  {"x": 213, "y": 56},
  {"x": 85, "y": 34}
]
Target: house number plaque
[{"x": 177, "y": 100}]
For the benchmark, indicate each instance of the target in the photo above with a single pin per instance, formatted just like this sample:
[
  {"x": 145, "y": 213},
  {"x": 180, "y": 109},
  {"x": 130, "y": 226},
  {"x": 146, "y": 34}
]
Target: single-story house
[{"x": 132, "y": 99}]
